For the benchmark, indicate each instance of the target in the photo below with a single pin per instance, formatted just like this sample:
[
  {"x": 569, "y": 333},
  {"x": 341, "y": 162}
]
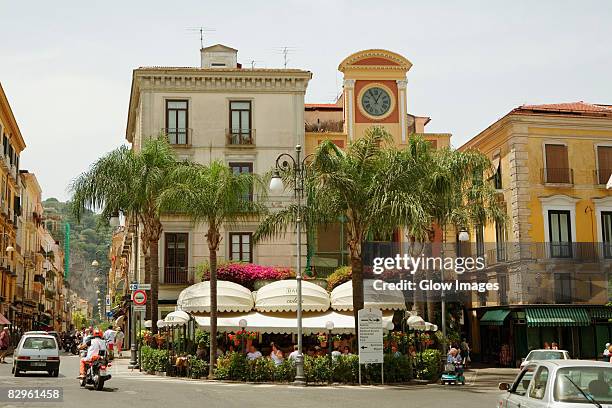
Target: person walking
[
  {"x": 606, "y": 352},
  {"x": 5, "y": 342},
  {"x": 119, "y": 336},
  {"x": 465, "y": 352}
]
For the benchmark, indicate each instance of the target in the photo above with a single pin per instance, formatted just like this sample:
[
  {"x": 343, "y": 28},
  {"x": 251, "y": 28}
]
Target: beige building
[{"x": 219, "y": 111}]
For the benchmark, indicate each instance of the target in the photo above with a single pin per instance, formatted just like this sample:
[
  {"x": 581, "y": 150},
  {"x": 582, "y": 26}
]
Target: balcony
[
  {"x": 178, "y": 275},
  {"x": 601, "y": 176},
  {"x": 557, "y": 176},
  {"x": 240, "y": 138},
  {"x": 39, "y": 278},
  {"x": 179, "y": 137}
]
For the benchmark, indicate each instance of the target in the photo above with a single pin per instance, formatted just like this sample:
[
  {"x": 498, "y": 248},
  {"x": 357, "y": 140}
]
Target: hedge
[{"x": 153, "y": 359}]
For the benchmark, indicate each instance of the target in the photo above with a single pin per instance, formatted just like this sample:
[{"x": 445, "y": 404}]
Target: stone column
[
  {"x": 349, "y": 89},
  {"x": 402, "y": 100}
]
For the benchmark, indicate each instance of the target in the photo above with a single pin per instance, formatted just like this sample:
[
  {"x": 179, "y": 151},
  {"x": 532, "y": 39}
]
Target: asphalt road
[{"x": 133, "y": 390}]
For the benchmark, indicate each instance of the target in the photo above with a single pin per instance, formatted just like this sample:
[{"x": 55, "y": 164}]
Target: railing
[
  {"x": 240, "y": 137},
  {"x": 178, "y": 136},
  {"x": 558, "y": 175},
  {"x": 549, "y": 251},
  {"x": 601, "y": 176},
  {"x": 178, "y": 275},
  {"x": 325, "y": 126}
]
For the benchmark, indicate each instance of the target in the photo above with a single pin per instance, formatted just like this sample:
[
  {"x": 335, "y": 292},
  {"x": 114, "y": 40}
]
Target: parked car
[
  {"x": 36, "y": 352},
  {"x": 545, "y": 354},
  {"x": 52, "y": 333},
  {"x": 559, "y": 383}
]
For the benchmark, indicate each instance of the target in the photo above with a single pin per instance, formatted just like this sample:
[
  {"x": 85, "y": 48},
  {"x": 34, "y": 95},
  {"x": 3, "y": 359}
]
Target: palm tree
[
  {"x": 215, "y": 196},
  {"x": 130, "y": 182}
]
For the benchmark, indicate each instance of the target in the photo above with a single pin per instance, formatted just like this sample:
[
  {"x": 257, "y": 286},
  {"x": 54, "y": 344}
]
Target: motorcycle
[
  {"x": 71, "y": 345},
  {"x": 96, "y": 373}
]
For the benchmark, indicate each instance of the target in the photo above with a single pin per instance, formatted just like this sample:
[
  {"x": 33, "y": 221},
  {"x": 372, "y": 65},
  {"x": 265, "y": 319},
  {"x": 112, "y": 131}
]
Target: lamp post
[
  {"x": 464, "y": 236},
  {"x": 329, "y": 325},
  {"x": 286, "y": 162},
  {"x": 243, "y": 324}
]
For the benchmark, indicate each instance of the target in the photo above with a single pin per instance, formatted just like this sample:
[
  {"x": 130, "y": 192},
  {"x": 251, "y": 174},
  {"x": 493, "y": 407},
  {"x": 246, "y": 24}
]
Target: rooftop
[{"x": 575, "y": 108}]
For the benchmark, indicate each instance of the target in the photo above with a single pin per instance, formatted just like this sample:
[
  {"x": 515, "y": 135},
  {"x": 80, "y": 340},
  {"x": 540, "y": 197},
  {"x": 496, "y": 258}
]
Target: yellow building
[
  {"x": 375, "y": 93},
  {"x": 552, "y": 257},
  {"x": 12, "y": 146}
]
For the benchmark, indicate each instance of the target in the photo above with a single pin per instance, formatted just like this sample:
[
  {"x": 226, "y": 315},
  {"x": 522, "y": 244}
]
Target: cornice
[{"x": 402, "y": 63}]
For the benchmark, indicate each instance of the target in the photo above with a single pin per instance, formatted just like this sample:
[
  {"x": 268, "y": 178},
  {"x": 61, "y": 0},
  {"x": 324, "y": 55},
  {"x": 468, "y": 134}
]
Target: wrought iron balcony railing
[{"x": 178, "y": 275}]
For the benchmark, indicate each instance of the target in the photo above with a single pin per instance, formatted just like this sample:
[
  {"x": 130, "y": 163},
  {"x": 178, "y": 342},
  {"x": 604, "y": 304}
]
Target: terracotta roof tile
[{"x": 579, "y": 107}]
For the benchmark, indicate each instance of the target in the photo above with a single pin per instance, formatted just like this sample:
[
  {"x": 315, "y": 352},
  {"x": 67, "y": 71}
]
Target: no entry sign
[{"x": 139, "y": 297}]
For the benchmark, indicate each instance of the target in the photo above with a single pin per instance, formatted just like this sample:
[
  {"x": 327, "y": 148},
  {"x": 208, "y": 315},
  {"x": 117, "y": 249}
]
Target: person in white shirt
[
  {"x": 96, "y": 344},
  {"x": 109, "y": 337},
  {"x": 276, "y": 354},
  {"x": 253, "y": 353},
  {"x": 293, "y": 355}
]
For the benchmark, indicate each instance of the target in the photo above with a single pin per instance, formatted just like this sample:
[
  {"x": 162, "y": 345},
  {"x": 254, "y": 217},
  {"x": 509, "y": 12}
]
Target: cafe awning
[
  {"x": 231, "y": 297},
  {"x": 281, "y": 296},
  {"x": 557, "y": 316},
  {"x": 342, "y": 297},
  {"x": 601, "y": 313},
  {"x": 494, "y": 317},
  {"x": 176, "y": 318},
  {"x": 286, "y": 323}
]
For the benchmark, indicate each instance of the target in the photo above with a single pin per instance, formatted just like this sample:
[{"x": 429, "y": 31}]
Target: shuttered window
[
  {"x": 604, "y": 163},
  {"x": 557, "y": 165}
]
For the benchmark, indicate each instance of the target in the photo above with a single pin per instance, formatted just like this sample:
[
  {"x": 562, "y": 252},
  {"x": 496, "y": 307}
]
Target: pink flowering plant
[{"x": 246, "y": 274}]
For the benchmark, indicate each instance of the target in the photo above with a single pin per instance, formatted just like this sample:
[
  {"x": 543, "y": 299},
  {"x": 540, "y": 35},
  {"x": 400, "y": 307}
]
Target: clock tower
[{"x": 375, "y": 93}]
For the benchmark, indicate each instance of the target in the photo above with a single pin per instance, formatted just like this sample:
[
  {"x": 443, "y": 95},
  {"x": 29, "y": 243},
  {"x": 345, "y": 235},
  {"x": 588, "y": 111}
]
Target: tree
[
  {"x": 215, "y": 196},
  {"x": 78, "y": 320},
  {"x": 130, "y": 182}
]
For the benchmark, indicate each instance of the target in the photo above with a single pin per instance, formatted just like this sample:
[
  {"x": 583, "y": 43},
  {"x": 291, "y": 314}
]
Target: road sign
[
  {"x": 109, "y": 314},
  {"x": 140, "y": 308},
  {"x": 140, "y": 286},
  {"x": 370, "y": 336},
  {"x": 139, "y": 297},
  {"x": 108, "y": 300}
]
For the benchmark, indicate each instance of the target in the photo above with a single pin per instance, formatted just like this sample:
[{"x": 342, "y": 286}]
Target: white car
[
  {"x": 36, "y": 352},
  {"x": 545, "y": 354},
  {"x": 560, "y": 384}
]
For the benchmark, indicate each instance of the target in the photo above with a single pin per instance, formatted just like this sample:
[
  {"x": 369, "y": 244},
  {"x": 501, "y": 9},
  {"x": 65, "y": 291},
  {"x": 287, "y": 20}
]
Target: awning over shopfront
[
  {"x": 601, "y": 313},
  {"x": 286, "y": 323},
  {"x": 342, "y": 297},
  {"x": 494, "y": 317},
  {"x": 176, "y": 318},
  {"x": 557, "y": 316},
  {"x": 4, "y": 320},
  {"x": 231, "y": 297},
  {"x": 281, "y": 296}
]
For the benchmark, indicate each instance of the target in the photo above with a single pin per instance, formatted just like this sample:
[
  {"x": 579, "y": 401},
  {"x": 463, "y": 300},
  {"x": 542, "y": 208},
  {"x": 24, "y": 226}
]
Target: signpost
[
  {"x": 140, "y": 286},
  {"x": 370, "y": 334},
  {"x": 139, "y": 297}
]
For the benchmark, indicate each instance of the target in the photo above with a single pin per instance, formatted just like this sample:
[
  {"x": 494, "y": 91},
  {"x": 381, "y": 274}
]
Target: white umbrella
[
  {"x": 176, "y": 318},
  {"x": 231, "y": 297},
  {"x": 281, "y": 296},
  {"x": 342, "y": 297}
]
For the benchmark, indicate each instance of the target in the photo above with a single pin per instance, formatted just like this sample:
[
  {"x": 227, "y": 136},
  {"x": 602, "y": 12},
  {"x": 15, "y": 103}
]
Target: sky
[{"x": 66, "y": 66}]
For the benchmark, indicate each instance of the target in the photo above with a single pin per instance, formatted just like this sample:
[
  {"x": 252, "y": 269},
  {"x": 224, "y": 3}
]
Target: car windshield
[
  {"x": 38, "y": 343},
  {"x": 593, "y": 381},
  {"x": 545, "y": 355}
]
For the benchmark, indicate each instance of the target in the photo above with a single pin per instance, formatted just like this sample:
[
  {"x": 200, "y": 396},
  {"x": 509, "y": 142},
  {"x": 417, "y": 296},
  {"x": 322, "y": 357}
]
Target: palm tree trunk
[
  {"x": 357, "y": 272},
  {"x": 213, "y": 237},
  {"x": 147, "y": 279},
  {"x": 154, "y": 271}
]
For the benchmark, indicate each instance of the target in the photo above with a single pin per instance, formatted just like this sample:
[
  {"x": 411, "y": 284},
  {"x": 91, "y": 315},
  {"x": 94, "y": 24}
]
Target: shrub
[
  {"x": 285, "y": 372},
  {"x": 152, "y": 359},
  {"x": 232, "y": 366},
  {"x": 346, "y": 369},
  {"x": 428, "y": 364},
  {"x": 246, "y": 274},
  {"x": 197, "y": 367},
  {"x": 339, "y": 276},
  {"x": 202, "y": 337},
  {"x": 261, "y": 370}
]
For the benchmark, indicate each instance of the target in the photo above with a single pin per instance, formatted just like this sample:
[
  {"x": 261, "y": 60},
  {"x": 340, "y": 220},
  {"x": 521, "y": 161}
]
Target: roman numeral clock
[{"x": 376, "y": 101}]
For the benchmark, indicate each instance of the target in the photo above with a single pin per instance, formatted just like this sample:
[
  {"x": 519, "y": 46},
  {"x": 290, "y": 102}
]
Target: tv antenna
[
  {"x": 201, "y": 30},
  {"x": 285, "y": 51},
  {"x": 253, "y": 62}
]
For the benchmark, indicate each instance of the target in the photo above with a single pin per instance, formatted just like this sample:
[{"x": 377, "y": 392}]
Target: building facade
[
  {"x": 219, "y": 111},
  {"x": 551, "y": 258}
]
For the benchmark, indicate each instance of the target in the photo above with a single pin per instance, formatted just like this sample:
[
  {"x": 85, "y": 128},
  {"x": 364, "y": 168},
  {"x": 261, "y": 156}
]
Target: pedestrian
[
  {"x": 119, "y": 340},
  {"x": 109, "y": 337},
  {"x": 465, "y": 352},
  {"x": 5, "y": 342},
  {"x": 606, "y": 352}
]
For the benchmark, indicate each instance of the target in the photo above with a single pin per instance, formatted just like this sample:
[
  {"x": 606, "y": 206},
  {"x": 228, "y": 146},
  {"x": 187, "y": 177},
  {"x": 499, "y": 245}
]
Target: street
[{"x": 141, "y": 390}]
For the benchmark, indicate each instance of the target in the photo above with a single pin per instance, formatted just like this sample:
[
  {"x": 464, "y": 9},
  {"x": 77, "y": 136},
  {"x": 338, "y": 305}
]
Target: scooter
[
  {"x": 453, "y": 374},
  {"x": 96, "y": 373}
]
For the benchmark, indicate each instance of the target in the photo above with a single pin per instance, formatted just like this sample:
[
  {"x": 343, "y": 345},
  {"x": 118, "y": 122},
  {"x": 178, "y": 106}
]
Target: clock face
[{"x": 376, "y": 101}]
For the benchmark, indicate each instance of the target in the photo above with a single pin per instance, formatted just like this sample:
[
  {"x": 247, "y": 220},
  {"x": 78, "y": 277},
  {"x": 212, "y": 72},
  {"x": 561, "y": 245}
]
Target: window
[
  {"x": 240, "y": 122},
  {"x": 240, "y": 168},
  {"x": 604, "y": 163},
  {"x": 606, "y": 233},
  {"x": 539, "y": 383},
  {"x": 560, "y": 233},
  {"x": 480, "y": 246},
  {"x": 177, "y": 122},
  {"x": 557, "y": 164},
  {"x": 241, "y": 246},
  {"x": 500, "y": 241},
  {"x": 563, "y": 288},
  {"x": 522, "y": 383},
  {"x": 176, "y": 257}
]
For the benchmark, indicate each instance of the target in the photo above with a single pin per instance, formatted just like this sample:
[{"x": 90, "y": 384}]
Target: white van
[{"x": 36, "y": 352}]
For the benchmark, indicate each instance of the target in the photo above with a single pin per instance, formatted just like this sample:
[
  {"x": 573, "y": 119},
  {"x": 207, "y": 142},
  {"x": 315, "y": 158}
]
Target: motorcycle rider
[{"x": 94, "y": 346}]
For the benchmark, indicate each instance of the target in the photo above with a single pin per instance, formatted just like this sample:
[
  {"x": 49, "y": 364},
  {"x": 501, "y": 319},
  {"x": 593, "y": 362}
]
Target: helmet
[{"x": 97, "y": 333}]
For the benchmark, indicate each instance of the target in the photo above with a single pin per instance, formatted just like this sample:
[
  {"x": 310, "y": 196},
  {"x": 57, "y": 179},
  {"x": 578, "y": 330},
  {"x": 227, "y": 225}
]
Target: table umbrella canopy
[
  {"x": 176, "y": 318},
  {"x": 281, "y": 296},
  {"x": 231, "y": 297},
  {"x": 416, "y": 322},
  {"x": 286, "y": 322},
  {"x": 342, "y": 297}
]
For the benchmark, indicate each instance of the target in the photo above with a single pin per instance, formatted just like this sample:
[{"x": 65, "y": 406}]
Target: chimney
[{"x": 219, "y": 56}]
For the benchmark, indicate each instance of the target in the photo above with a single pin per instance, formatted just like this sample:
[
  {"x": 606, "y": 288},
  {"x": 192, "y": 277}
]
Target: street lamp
[
  {"x": 243, "y": 324},
  {"x": 463, "y": 235},
  {"x": 329, "y": 325},
  {"x": 286, "y": 162},
  {"x": 114, "y": 220}
]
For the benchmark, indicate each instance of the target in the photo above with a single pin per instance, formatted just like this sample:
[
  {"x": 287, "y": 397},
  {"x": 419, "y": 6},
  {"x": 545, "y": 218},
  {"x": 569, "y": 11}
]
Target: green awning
[
  {"x": 601, "y": 313},
  {"x": 557, "y": 316},
  {"x": 494, "y": 317}
]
